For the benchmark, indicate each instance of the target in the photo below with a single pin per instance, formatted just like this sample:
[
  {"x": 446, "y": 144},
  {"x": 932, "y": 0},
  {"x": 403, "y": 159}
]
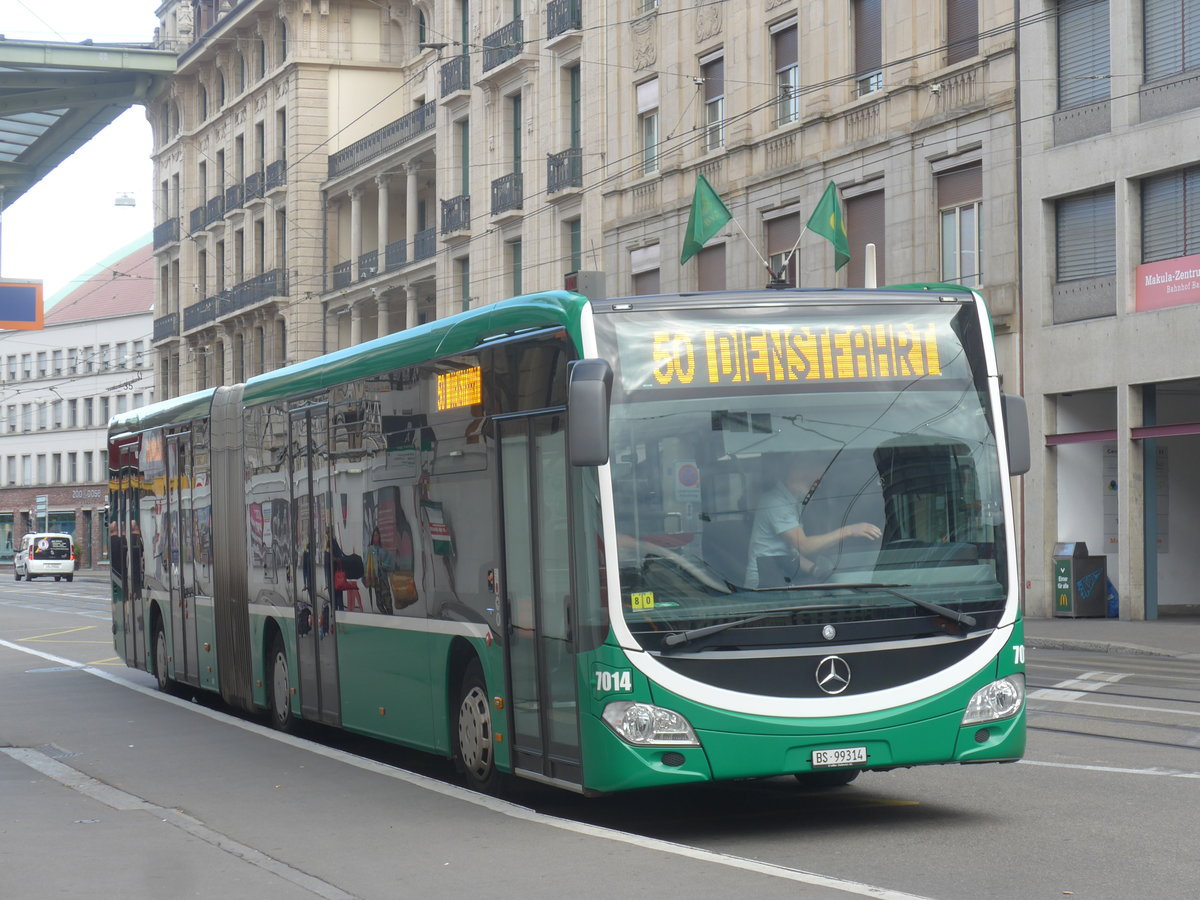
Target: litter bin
[{"x": 1080, "y": 581}]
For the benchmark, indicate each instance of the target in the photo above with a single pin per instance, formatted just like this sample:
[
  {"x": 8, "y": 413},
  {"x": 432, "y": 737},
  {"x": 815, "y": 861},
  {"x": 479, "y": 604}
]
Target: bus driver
[{"x": 781, "y": 551}]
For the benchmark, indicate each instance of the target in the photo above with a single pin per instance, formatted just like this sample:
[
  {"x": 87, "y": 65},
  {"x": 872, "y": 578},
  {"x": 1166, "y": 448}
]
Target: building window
[
  {"x": 43, "y": 416},
  {"x": 787, "y": 72},
  {"x": 27, "y": 365},
  {"x": 782, "y": 232},
  {"x": 1171, "y": 215},
  {"x": 41, "y": 468},
  {"x": 574, "y": 248},
  {"x": 868, "y": 45},
  {"x": 962, "y": 30},
  {"x": 1083, "y": 54},
  {"x": 710, "y": 268},
  {"x": 514, "y": 267},
  {"x": 89, "y": 418},
  {"x": 647, "y": 107},
  {"x": 72, "y": 467},
  {"x": 26, "y": 469},
  {"x": 865, "y": 225},
  {"x": 41, "y": 364},
  {"x": 104, "y": 408},
  {"x": 12, "y": 367},
  {"x": 27, "y": 417},
  {"x": 1172, "y": 36},
  {"x": 462, "y": 266},
  {"x": 712, "y": 71},
  {"x": 644, "y": 266},
  {"x": 959, "y": 195},
  {"x": 87, "y": 465},
  {"x": 1086, "y": 235},
  {"x": 11, "y": 470},
  {"x": 72, "y": 413},
  {"x": 646, "y": 6},
  {"x": 56, "y": 413},
  {"x": 11, "y": 418},
  {"x": 56, "y": 468},
  {"x": 58, "y": 362}
]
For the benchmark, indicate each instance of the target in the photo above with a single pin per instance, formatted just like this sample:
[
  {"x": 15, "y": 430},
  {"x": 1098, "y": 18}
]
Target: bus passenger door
[
  {"x": 121, "y": 516},
  {"x": 538, "y": 591},
  {"x": 316, "y": 618}
]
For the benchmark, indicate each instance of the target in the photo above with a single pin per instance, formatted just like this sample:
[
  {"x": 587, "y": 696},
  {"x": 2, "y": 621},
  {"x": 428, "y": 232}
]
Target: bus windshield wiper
[
  {"x": 953, "y": 615},
  {"x": 684, "y": 637}
]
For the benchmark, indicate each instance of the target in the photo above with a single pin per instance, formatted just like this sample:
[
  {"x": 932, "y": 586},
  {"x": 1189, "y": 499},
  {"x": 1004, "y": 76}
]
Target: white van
[{"x": 45, "y": 553}]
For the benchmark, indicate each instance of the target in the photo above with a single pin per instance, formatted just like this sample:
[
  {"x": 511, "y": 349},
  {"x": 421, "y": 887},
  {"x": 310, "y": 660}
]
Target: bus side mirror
[
  {"x": 1016, "y": 433},
  {"x": 589, "y": 389}
]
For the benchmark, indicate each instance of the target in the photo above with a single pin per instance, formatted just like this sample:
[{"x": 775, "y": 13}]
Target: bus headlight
[
  {"x": 646, "y": 725},
  {"x": 999, "y": 700}
]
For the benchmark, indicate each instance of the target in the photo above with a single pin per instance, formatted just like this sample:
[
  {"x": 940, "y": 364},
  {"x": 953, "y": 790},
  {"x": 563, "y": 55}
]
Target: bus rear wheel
[
  {"x": 473, "y": 748},
  {"x": 160, "y": 660},
  {"x": 280, "y": 691}
]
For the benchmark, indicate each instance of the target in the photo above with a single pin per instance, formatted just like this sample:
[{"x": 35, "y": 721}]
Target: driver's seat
[{"x": 725, "y": 543}]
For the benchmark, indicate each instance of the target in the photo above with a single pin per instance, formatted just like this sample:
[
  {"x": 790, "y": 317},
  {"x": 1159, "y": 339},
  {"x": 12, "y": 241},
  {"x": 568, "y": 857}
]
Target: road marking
[
  {"x": 122, "y": 801},
  {"x": 1074, "y": 688},
  {"x": 1117, "y": 770},
  {"x": 42, "y": 637},
  {"x": 494, "y": 804}
]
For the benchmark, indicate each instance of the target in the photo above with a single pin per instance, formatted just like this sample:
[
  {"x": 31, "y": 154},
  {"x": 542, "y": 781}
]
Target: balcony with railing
[
  {"x": 507, "y": 193},
  {"x": 456, "y": 214},
  {"x": 233, "y": 198},
  {"x": 252, "y": 187},
  {"x": 501, "y": 46},
  {"x": 254, "y": 290},
  {"x": 385, "y": 140},
  {"x": 342, "y": 274},
  {"x": 201, "y": 313},
  {"x": 166, "y": 326},
  {"x": 395, "y": 255},
  {"x": 564, "y": 170},
  {"x": 276, "y": 175},
  {"x": 214, "y": 209},
  {"x": 166, "y": 232},
  {"x": 368, "y": 265},
  {"x": 196, "y": 220},
  {"x": 563, "y": 16},
  {"x": 456, "y": 75},
  {"x": 424, "y": 244}
]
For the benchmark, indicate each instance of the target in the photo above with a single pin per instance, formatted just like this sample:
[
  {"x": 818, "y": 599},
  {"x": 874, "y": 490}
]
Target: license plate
[{"x": 840, "y": 756}]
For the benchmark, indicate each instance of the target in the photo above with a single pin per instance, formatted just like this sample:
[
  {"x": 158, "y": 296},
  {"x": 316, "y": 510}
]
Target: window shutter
[
  {"x": 1083, "y": 53},
  {"x": 960, "y": 187},
  {"x": 782, "y": 234},
  {"x": 1164, "y": 50},
  {"x": 868, "y": 35},
  {"x": 1171, "y": 216},
  {"x": 1086, "y": 235},
  {"x": 865, "y": 225},
  {"x": 962, "y": 29},
  {"x": 711, "y": 268}
]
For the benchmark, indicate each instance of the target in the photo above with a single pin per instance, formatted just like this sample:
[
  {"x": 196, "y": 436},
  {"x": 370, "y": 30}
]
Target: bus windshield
[{"x": 780, "y": 469}]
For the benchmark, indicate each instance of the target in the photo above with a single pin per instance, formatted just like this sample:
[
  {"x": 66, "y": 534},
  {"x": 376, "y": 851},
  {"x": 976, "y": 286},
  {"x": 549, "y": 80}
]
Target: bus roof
[{"x": 442, "y": 337}]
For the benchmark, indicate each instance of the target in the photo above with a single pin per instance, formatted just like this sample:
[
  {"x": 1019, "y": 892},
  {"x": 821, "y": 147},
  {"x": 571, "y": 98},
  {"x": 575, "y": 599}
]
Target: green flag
[
  {"x": 827, "y": 221},
  {"x": 707, "y": 217}
]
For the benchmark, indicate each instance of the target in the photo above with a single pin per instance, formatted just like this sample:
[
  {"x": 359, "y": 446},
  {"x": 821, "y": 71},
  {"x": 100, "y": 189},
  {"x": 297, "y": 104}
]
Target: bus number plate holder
[{"x": 839, "y": 756}]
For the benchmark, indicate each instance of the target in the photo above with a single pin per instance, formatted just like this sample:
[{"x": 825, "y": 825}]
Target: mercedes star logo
[{"x": 833, "y": 675}]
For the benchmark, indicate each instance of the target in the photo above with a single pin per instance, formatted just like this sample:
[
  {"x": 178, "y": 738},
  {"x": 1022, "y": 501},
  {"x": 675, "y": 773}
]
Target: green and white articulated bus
[{"x": 534, "y": 537}]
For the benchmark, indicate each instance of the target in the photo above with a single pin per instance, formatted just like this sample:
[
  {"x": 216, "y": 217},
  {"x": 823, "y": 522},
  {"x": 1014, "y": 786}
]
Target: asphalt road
[{"x": 144, "y": 795}]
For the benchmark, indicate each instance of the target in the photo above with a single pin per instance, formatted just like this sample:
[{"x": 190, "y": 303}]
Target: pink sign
[{"x": 1172, "y": 282}]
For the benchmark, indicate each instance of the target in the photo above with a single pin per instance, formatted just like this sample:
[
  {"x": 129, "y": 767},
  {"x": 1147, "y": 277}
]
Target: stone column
[
  {"x": 410, "y": 310},
  {"x": 355, "y": 231},
  {"x": 383, "y": 326},
  {"x": 382, "y": 182},
  {"x": 411, "y": 171},
  {"x": 355, "y": 324}
]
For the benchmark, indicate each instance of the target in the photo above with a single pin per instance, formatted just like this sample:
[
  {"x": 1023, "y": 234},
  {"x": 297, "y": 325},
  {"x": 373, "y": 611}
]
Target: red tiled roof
[{"x": 119, "y": 288}]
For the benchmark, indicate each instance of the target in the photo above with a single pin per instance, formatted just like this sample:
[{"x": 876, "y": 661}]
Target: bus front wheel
[{"x": 473, "y": 750}]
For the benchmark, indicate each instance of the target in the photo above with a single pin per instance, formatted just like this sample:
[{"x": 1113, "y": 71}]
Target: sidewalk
[{"x": 1177, "y": 636}]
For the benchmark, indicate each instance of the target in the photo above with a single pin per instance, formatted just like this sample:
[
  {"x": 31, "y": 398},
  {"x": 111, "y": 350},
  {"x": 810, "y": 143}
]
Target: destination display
[
  {"x": 460, "y": 388},
  {"x": 781, "y": 354}
]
